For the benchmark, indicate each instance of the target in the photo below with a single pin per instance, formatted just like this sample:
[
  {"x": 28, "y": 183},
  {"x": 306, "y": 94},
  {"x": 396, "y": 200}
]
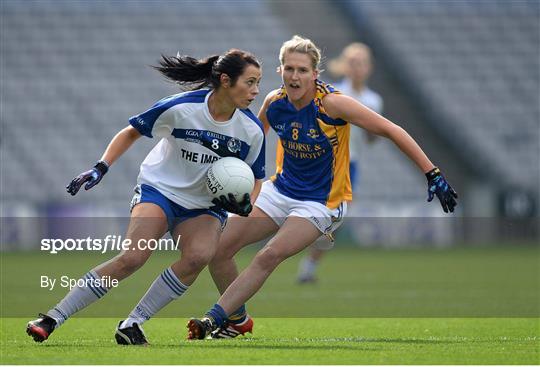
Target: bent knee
[
  {"x": 228, "y": 247},
  {"x": 128, "y": 263},
  {"x": 269, "y": 258},
  {"x": 196, "y": 262}
]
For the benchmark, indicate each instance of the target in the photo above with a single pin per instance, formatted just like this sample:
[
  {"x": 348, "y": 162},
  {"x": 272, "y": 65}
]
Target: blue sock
[
  {"x": 238, "y": 316},
  {"x": 217, "y": 313}
]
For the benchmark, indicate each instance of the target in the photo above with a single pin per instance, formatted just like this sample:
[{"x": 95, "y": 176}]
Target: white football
[{"x": 230, "y": 175}]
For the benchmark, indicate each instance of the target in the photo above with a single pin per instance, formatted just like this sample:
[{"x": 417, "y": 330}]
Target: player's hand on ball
[
  {"x": 232, "y": 205},
  {"x": 438, "y": 186},
  {"x": 91, "y": 177}
]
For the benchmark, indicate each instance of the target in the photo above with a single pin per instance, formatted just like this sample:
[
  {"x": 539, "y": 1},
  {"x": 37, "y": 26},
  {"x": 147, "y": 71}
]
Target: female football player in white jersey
[
  {"x": 307, "y": 196},
  {"x": 194, "y": 129}
]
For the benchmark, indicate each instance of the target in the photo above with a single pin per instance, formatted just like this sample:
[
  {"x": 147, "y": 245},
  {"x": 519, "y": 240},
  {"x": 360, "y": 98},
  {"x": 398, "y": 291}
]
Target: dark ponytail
[{"x": 192, "y": 74}]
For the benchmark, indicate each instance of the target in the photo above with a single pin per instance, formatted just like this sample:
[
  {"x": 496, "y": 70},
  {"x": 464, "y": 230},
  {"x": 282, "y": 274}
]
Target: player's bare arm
[
  {"x": 264, "y": 107},
  {"x": 266, "y": 125},
  {"x": 120, "y": 143},
  {"x": 348, "y": 109}
]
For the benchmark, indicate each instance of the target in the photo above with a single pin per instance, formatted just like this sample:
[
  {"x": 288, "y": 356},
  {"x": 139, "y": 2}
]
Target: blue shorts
[{"x": 175, "y": 213}]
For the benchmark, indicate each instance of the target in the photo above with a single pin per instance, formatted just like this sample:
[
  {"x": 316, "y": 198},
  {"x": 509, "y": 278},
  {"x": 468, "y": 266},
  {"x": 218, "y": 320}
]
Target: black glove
[
  {"x": 231, "y": 205},
  {"x": 437, "y": 185},
  {"x": 92, "y": 176}
]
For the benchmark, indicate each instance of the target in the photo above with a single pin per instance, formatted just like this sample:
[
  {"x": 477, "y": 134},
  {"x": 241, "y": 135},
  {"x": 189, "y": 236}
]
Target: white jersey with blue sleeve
[{"x": 191, "y": 140}]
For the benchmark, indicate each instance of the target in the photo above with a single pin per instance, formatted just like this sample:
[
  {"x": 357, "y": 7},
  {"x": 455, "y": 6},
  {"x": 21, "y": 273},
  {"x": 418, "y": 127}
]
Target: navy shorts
[{"x": 175, "y": 213}]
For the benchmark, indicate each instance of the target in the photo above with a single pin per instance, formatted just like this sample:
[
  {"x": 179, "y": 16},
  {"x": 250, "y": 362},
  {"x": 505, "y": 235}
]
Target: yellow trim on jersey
[
  {"x": 282, "y": 93},
  {"x": 279, "y": 159},
  {"x": 338, "y": 136}
]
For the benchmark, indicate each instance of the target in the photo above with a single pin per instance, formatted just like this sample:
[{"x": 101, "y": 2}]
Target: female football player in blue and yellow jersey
[
  {"x": 307, "y": 196},
  {"x": 194, "y": 129}
]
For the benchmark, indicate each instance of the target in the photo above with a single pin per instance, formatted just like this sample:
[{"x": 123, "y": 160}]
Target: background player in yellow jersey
[{"x": 307, "y": 196}]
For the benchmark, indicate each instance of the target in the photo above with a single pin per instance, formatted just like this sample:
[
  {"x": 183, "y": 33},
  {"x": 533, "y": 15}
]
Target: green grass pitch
[
  {"x": 450, "y": 306},
  {"x": 288, "y": 341}
]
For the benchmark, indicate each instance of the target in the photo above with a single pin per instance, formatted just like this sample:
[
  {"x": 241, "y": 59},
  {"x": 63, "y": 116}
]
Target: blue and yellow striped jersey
[{"x": 312, "y": 159}]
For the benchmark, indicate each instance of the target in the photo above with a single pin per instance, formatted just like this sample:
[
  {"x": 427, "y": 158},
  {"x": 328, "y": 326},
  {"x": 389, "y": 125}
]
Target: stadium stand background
[
  {"x": 462, "y": 77},
  {"x": 472, "y": 68},
  {"x": 75, "y": 71}
]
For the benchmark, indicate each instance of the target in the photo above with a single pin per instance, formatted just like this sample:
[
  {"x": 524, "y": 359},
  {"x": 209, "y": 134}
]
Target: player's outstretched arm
[
  {"x": 118, "y": 145},
  {"x": 348, "y": 109}
]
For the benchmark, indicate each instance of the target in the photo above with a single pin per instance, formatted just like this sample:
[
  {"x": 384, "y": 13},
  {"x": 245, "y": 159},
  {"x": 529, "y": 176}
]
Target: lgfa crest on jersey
[
  {"x": 234, "y": 145},
  {"x": 313, "y": 133}
]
